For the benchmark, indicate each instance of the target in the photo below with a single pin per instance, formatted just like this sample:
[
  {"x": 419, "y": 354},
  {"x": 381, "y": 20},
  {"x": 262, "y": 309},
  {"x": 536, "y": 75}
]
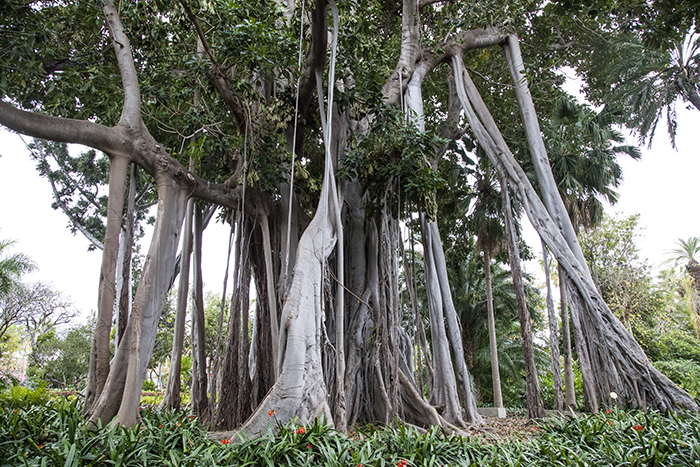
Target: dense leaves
[{"x": 38, "y": 430}]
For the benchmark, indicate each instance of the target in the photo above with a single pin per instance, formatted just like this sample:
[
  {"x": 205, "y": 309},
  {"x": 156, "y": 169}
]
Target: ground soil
[{"x": 504, "y": 429}]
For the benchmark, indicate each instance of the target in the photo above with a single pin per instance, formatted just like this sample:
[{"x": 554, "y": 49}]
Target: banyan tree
[{"x": 318, "y": 129}]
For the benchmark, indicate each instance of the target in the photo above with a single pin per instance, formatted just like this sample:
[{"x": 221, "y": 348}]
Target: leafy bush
[
  {"x": 55, "y": 433},
  {"x": 685, "y": 373}
]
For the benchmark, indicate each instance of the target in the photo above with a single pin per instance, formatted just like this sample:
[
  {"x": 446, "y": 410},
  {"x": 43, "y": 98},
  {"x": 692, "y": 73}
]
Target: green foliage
[
  {"x": 623, "y": 278},
  {"x": 685, "y": 373},
  {"x": 547, "y": 386},
  {"x": 53, "y": 432},
  {"x": 62, "y": 362},
  {"x": 396, "y": 154}
]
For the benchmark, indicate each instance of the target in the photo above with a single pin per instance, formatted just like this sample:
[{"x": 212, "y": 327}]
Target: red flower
[
  {"x": 300, "y": 430},
  {"x": 225, "y": 441},
  {"x": 271, "y": 412},
  {"x": 308, "y": 446},
  {"x": 608, "y": 411},
  {"x": 191, "y": 417},
  {"x": 401, "y": 463},
  {"x": 638, "y": 427},
  {"x": 160, "y": 426},
  {"x": 610, "y": 423}
]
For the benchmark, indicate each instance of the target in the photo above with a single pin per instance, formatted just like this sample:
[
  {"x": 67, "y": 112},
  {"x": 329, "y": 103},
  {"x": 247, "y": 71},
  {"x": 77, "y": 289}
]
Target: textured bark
[
  {"x": 620, "y": 362},
  {"x": 493, "y": 342},
  {"x": 171, "y": 398},
  {"x": 553, "y": 337},
  {"x": 570, "y": 391},
  {"x": 122, "y": 391},
  {"x": 535, "y": 407},
  {"x": 99, "y": 356},
  {"x": 216, "y": 363},
  {"x": 445, "y": 385},
  {"x": 200, "y": 402}
]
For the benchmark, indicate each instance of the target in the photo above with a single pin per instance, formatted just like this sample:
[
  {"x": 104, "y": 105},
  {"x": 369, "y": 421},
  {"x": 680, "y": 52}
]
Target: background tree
[
  {"x": 12, "y": 267},
  {"x": 60, "y": 358}
]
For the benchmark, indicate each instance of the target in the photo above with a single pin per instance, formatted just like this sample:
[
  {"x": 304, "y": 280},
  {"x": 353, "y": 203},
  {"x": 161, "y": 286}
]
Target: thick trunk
[
  {"x": 619, "y": 362},
  {"x": 553, "y": 337},
  {"x": 99, "y": 356},
  {"x": 493, "y": 342},
  {"x": 535, "y": 408},
  {"x": 200, "y": 403},
  {"x": 566, "y": 336},
  {"x": 445, "y": 389},
  {"x": 171, "y": 398},
  {"x": 453, "y": 327},
  {"x": 122, "y": 389}
]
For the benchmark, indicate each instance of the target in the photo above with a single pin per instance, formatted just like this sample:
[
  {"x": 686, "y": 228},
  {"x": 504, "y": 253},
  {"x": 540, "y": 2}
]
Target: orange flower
[
  {"x": 271, "y": 412},
  {"x": 225, "y": 441},
  {"x": 638, "y": 427},
  {"x": 300, "y": 430},
  {"x": 40, "y": 446},
  {"x": 160, "y": 426},
  {"x": 608, "y": 411}
]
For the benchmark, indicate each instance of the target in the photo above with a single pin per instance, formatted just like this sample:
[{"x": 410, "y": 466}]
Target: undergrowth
[{"x": 37, "y": 430}]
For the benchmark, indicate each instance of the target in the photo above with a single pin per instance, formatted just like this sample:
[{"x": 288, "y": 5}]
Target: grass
[{"x": 38, "y": 430}]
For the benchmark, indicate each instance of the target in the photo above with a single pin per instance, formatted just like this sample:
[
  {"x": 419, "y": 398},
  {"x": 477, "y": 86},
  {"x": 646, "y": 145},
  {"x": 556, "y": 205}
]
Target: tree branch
[
  {"x": 66, "y": 130},
  {"x": 131, "y": 112}
]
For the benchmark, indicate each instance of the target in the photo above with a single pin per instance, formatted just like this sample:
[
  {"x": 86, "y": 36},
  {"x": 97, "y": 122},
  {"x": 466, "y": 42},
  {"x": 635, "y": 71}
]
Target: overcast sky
[{"x": 662, "y": 187}]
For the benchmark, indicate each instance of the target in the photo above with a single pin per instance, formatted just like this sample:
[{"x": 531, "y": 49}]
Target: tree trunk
[
  {"x": 618, "y": 360},
  {"x": 234, "y": 404},
  {"x": 171, "y": 398},
  {"x": 493, "y": 342},
  {"x": 99, "y": 356},
  {"x": 535, "y": 408},
  {"x": 454, "y": 329},
  {"x": 122, "y": 389},
  {"x": 125, "y": 291},
  {"x": 553, "y": 337},
  {"x": 566, "y": 334},
  {"x": 216, "y": 364},
  {"x": 445, "y": 391},
  {"x": 200, "y": 403}
]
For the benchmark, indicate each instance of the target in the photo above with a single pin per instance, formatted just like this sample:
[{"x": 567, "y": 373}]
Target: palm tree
[
  {"x": 687, "y": 252},
  {"x": 647, "y": 82},
  {"x": 485, "y": 221},
  {"x": 12, "y": 267}
]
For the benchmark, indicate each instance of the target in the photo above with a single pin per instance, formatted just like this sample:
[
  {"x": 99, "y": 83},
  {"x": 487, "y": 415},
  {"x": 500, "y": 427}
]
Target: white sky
[{"x": 661, "y": 187}]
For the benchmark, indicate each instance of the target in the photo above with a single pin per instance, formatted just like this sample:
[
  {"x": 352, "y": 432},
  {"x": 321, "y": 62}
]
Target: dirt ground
[{"x": 503, "y": 429}]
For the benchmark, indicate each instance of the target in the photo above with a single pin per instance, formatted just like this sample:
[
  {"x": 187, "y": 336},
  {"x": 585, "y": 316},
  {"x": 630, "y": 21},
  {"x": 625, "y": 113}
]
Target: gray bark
[
  {"x": 493, "y": 341},
  {"x": 553, "y": 337},
  {"x": 171, "y": 398},
  {"x": 570, "y": 392},
  {"x": 535, "y": 408},
  {"x": 200, "y": 402},
  {"x": 99, "y": 356},
  {"x": 611, "y": 344}
]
